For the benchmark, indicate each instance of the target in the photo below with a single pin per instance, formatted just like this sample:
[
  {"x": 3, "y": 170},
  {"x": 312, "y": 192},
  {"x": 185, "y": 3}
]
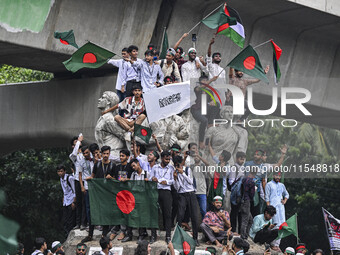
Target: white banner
[
  {"x": 333, "y": 229},
  {"x": 167, "y": 100}
]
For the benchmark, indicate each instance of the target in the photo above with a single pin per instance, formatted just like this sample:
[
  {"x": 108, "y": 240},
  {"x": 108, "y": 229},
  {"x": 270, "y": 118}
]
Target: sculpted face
[
  {"x": 227, "y": 113},
  {"x": 103, "y": 102}
]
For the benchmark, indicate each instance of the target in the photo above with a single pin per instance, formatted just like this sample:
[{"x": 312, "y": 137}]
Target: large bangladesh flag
[
  {"x": 89, "y": 55},
  {"x": 131, "y": 203},
  {"x": 249, "y": 62},
  {"x": 288, "y": 228},
  {"x": 182, "y": 242}
]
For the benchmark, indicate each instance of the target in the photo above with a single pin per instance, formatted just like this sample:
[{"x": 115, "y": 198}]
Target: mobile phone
[
  {"x": 187, "y": 152},
  {"x": 207, "y": 141},
  {"x": 267, "y": 247},
  {"x": 194, "y": 38}
]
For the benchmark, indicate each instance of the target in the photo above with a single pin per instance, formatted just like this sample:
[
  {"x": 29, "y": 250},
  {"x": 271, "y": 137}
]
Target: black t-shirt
[
  {"x": 123, "y": 171},
  {"x": 101, "y": 170}
]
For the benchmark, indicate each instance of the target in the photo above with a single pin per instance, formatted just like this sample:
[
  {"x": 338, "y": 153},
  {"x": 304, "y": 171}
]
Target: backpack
[
  {"x": 237, "y": 192},
  {"x": 173, "y": 69},
  {"x": 68, "y": 183}
]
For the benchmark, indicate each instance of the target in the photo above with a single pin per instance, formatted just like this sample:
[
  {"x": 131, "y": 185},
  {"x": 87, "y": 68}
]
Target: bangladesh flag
[
  {"x": 8, "y": 232},
  {"x": 234, "y": 31},
  {"x": 182, "y": 242},
  {"x": 143, "y": 133},
  {"x": 276, "y": 55},
  {"x": 66, "y": 38},
  {"x": 248, "y": 62},
  {"x": 131, "y": 203},
  {"x": 288, "y": 228},
  {"x": 165, "y": 45},
  {"x": 218, "y": 19},
  {"x": 89, "y": 55},
  {"x": 216, "y": 188}
]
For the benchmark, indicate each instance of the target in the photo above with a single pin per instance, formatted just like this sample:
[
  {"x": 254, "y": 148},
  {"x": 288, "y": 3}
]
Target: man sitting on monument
[
  {"x": 215, "y": 223},
  {"x": 134, "y": 111}
]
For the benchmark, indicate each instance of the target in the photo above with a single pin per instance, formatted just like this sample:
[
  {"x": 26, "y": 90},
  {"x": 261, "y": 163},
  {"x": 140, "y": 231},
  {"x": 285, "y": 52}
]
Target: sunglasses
[{"x": 81, "y": 249}]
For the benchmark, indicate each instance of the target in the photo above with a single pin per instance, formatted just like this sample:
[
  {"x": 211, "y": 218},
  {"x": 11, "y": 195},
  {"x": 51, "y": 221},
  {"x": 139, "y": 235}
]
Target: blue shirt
[
  {"x": 258, "y": 224},
  {"x": 132, "y": 72},
  {"x": 149, "y": 74},
  {"x": 184, "y": 182}
]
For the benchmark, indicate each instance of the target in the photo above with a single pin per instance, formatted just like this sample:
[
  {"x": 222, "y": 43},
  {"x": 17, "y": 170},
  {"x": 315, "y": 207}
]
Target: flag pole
[
  {"x": 297, "y": 229},
  {"x": 162, "y": 39},
  {"x": 205, "y": 17},
  {"x": 262, "y": 43}
]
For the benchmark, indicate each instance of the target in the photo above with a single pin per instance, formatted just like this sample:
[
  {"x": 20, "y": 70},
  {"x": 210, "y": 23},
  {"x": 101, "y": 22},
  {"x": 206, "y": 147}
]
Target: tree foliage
[{"x": 11, "y": 74}]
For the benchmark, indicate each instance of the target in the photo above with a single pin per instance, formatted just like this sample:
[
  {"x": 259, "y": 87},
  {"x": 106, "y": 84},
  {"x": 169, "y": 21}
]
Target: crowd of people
[{"x": 187, "y": 195}]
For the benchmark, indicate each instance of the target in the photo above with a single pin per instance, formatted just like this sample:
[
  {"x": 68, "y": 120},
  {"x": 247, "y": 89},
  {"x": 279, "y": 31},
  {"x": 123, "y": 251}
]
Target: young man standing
[
  {"x": 122, "y": 173},
  {"x": 69, "y": 198},
  {"x": 151, "y": 74},
  {"x": 76, "y": 156},
  {"x": 184, "y": 184},
  {"x": 121, "y": 77},
  {"x": 213, "y": 63},
  {"x": 193, "y": 68},
  {"x": 169, "y": 67},
  {"x": 85, "y": 172},
  {"x": 163, "y": 175},
  {"x": 134, "y": 109},
  {"x": 132, "y": 74},
  {"x": 179, "y": 52},
  {"x": 277, "y": 196}
]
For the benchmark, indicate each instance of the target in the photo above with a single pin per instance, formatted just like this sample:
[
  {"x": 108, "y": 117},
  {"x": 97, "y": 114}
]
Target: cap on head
[
  {"x": 55, "y": 245},
  {"x": 192, "y": 50},
  {"x": 171, "y": 51},
  {"x": 290, "y": 250},
  {"x": 218, "y": 199}
]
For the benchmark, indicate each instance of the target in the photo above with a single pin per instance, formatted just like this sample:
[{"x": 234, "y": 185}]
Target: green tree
[{"x": 11, "y": 74}]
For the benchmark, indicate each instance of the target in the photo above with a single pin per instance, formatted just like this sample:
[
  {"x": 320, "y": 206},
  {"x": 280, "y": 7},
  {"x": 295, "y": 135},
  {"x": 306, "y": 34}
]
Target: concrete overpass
[{"x": 48, "y": 114}]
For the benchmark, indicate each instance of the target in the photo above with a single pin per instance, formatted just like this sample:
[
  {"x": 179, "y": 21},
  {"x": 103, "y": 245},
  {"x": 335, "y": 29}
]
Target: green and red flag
[
  {"x": 234, "y": 31},
  {"x": 66, "y": 38},
  {"x": 276, "y": 55},
  {"x": 89, "y": 55},
  {"x": 143, "y": 133},
  {"x": 165, "y": 45},
  {"x": 289, "y": 227},
  {"x": 8, "y": 231},
  {"x": 216, "y": 187},
  {"x": 131, "y": 203},
  {"x": 248, "y": 62},
  {"x": 182, "y": 242},
  {"x": 218, "y": 19}
]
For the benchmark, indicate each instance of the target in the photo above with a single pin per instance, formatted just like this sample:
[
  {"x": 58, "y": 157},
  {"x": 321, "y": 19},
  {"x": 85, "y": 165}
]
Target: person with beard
[
  {"x": 237, "y": 80},
  {"x": 262, "y": 231},
  {"x": 103, "y": 169},
  {"x": 57, "y": 248},
  {"x": 81, "y": 249},
  {"x": 106, "y": 245},
  {"x": 163, "y": 175},
  {"x": 213, "y": 63},
  {"x": 277, "y": 196},
  {"x": 194, "y": 67},
  {"x": 215, "y": 223},
  {"x": 169, "y": 66}
]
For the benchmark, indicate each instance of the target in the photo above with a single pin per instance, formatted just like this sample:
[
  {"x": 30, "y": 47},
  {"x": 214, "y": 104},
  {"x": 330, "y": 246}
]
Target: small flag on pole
[
  {"x": 248, "y": 62},
  {"x": 182, "y": 242},
  {"x": 66, "y": 38},
  {"x": 165, "y": 45},
  {"x": 276, "y": 55},
  {"x": 143, "y": 133},
  {"x": 289, "y": 227},
  {"x": 218, "y": 19},
  {"x": 89, "y": 55}
]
